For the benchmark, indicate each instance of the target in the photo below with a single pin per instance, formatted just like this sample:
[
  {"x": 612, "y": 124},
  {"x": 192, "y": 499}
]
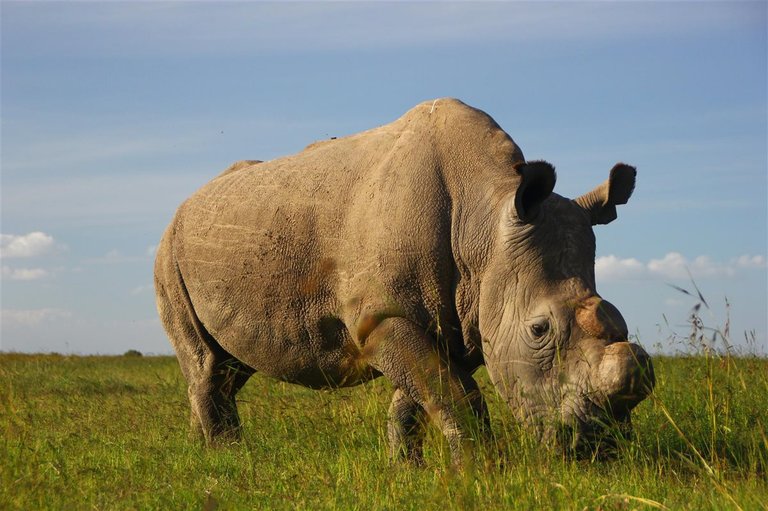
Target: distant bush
[{"x": 132, "y": 353}]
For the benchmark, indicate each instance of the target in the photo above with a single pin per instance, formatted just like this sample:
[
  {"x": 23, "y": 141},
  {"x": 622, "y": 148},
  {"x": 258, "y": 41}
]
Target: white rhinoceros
[{"x": 419, "y": 250}]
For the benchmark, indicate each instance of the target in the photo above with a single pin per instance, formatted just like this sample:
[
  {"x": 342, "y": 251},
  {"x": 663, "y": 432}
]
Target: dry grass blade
[
  {"x": 698, "y": 291},
  {"x": 627, "y": 498}
]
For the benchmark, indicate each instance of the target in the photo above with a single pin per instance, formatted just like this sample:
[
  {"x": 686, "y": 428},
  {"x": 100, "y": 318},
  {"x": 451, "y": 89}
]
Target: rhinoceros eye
[{"x": 540, "y": 328}]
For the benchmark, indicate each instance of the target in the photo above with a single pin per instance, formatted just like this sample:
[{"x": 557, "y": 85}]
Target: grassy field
[{"x": 111, "y": 433}]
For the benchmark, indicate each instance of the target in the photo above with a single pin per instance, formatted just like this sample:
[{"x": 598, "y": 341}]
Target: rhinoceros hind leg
[
  {"x": 213, "y": 375},
  {"x": 212, "y": 399}
]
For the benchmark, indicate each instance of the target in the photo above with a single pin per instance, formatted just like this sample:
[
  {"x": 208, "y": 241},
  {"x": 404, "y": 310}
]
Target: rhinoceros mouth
[
  {"x": 594, "y": 440},
  {"x": 593, "y": 433},
  {"x": 577, "y": 424},
  {"x": 590, "y": 434}
]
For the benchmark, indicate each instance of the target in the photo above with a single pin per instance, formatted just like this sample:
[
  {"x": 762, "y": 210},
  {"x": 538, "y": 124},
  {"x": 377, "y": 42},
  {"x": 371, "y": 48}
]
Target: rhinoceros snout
[{"x": 624, "y": 377}]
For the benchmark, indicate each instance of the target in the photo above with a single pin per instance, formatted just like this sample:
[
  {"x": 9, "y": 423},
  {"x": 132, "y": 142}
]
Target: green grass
[{"x": 112, "y": 433}]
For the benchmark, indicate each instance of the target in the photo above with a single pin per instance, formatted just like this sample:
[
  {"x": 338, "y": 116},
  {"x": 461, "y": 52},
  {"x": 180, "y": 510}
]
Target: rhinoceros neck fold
[{"x": 476, "y": 163}]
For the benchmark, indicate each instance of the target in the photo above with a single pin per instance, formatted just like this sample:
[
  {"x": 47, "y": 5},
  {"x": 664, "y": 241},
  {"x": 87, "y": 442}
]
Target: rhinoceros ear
[
  {"x": 537, "y": 179},
  {"x": 602, "y": 201}
]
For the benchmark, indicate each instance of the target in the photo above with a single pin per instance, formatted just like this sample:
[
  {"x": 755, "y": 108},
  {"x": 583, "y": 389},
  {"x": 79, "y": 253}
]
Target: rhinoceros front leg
[
  {"x": 405, "y": 429},
  {"x": 423, "y": 376}
]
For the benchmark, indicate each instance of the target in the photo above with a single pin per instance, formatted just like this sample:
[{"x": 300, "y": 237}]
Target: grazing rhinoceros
[{"x": 420, "y": 251}]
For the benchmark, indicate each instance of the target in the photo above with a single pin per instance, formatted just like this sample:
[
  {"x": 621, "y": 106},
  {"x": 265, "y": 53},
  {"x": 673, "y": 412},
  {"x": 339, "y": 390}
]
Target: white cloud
[
  {"x": 614, "y": 268},
  {"x": 746, "y": 261},
  {"x": 674, "y": 265},
  {"x": 32, "y": 317},
  {"x": 26, "y": 245},
  {"x": 23, "y": 273}
]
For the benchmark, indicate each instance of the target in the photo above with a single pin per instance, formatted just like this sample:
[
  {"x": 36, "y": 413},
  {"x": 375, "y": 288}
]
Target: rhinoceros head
[{"x": 556, "y": 351}]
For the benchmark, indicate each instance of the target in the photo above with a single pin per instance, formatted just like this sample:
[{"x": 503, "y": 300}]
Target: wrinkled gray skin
[{"x": 420, "y": 251}]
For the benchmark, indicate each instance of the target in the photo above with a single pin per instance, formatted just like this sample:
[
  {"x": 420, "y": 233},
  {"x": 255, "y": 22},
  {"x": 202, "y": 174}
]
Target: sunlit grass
[{"x": 111, "y": 433}]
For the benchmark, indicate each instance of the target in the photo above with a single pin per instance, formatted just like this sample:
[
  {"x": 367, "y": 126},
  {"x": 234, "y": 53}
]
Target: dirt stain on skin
[{"x": 311, "y": 282}]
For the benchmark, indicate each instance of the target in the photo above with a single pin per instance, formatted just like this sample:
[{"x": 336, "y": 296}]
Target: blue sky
[{"x": 114, "y": 112}]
